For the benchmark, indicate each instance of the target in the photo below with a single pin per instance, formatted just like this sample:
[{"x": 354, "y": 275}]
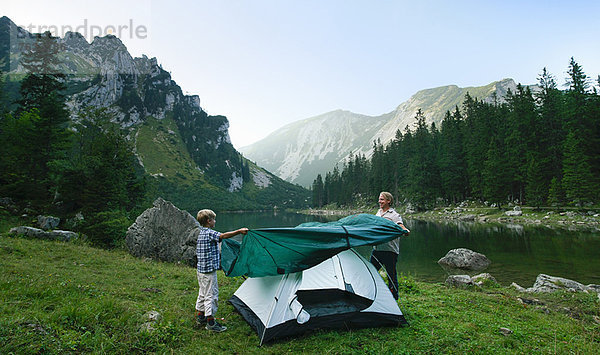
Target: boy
[{"x": 209, "y": 261}]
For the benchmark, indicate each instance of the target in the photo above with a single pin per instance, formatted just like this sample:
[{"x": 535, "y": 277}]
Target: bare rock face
[
  {"x": 463, "y": 258},
  {"x": 164, "y": 232}
]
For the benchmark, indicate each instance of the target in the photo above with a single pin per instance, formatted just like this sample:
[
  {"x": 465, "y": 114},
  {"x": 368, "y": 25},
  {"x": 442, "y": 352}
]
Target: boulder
[
  {"x": 481, "y": 279},
  {"x": 463, "y": 258},
  {"x": 546, "y": 283},
  {"x": 41, "y": 234},
  {"x": 164, "y": 232},
  {"x": 459, "y": 281},
  {"x": 513, "y": 213},
  {"x": 467, "y": 217},
  {"x": 47, "y": 222}
]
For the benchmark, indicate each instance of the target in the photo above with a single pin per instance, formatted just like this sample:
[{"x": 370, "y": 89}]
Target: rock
[
  {"x": 31, "y": 232},
  {"x": 513, "y": 213},
  {"x": 545, "y": 283},
  {"x": 410, "y": 209},
  {"x": 38, "y": 328},
  {"x": 76, "y": 220},
  {"x": 47, "y": 222},
  {"x": 463, "y": 258},
  {"x": 153, "y": 316},
  {"x": 534, "y": 301},
  {"x": 467, "y": 217},
  {"x": 58, "y": 234},
  {"x": 517, "y": 287},
  {"x": 459, "y": 281},
  {"x": 147, "y": 327},
  {"x": 481, "y": 279},
  {"x": 151, "y": 289},
  {"x": 505, "y": 331},
  {"x": 594, "y": 288},
  {"x": 164, "y": 232}
]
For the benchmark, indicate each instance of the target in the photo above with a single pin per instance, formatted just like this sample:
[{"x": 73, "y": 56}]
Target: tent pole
[{"x": 273, "y": 304}]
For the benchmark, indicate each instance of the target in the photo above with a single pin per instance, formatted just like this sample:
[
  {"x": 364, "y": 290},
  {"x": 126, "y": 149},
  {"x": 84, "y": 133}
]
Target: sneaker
[
  {"x": 200, "y": 320},
  {"x": 216, "y": 327}
]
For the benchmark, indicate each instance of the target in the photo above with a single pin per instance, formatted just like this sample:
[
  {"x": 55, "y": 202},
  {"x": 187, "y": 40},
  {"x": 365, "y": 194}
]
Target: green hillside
[{"x": 162, "y": 152}]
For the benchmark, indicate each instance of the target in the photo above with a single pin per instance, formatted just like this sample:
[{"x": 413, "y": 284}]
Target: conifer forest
[{"x": 537, "y": 146}]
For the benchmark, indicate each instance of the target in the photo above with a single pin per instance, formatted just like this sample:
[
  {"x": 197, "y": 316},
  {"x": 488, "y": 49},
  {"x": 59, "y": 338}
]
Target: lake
[{"x": 518, "y": 254}]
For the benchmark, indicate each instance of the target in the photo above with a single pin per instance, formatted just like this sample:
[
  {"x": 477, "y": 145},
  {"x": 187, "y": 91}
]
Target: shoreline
[{"x": 580, "y": 219}]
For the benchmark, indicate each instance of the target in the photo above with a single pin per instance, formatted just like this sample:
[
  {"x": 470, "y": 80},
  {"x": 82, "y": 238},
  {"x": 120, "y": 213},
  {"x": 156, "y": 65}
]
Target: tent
[
  {"x": 278, "y": 251},
  {"x": 344, "y": 291}
]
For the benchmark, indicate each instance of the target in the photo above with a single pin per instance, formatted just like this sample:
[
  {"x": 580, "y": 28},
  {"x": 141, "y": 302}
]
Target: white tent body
[{"x": 341, "y": 292}]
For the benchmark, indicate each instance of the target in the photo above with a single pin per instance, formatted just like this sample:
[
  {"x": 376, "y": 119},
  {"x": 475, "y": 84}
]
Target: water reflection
[{"x": 518, "y": 253}]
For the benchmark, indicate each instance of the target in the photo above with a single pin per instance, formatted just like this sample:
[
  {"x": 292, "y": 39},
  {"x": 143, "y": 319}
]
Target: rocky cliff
[{"x": 176, "y": 140}]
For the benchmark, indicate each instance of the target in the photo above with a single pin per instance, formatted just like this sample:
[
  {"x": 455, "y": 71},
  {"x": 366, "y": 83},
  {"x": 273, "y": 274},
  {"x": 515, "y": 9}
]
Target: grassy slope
[
  {"x": 57, "y": 297},
  {"x": 161, "y": 149},
  {"x": 177, "y": 179}
]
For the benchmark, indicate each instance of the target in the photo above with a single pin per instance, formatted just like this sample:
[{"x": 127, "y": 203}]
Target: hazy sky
[{"x": 267, "y": 63}]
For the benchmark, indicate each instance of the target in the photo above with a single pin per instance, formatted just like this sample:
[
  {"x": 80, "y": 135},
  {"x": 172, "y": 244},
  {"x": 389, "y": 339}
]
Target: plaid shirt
[{"x": 207, "y": 250}]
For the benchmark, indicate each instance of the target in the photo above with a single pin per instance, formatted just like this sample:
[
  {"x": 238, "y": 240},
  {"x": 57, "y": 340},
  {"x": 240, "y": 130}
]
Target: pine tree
[
  {"x": 578, "y": 182},
  {"x": 318, "y": 192},
  {"x": 537, "y": 187},
  {"x": 21, "y": 169},
  {"x": 495, "y": 173},
  {"x": 520, "y": 139},
  {"x": 549, "y": 127},
  {"x": 451, "y": 159},
  {"x": 581, "y": 145},
  {"x": 41, "y": 94},
  {"x": 556, "y": 194},
  {"x": 475, "y": 147},
  {"x": 422, "y": 171}
]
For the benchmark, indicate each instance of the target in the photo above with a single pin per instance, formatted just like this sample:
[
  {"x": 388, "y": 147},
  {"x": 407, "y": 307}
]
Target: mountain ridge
[
  {"x": 308, "y": 157},
  {"x": 136, "y": 91}
]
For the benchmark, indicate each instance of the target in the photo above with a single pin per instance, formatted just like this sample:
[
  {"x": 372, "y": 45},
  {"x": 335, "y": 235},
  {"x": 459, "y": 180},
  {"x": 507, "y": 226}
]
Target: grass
[
  {"x": 161, "y": 149},
  {"x": 58, "y": 297}
]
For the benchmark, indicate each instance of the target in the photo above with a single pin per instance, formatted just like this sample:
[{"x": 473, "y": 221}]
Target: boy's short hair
[
  {"x": 388, "y": 196},
  {"x": 204, "y": 216}
]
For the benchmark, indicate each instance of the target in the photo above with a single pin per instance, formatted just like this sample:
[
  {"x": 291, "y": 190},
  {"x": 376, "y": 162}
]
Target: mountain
[
  {"x": 187, "y": 152},
  {"x": 301, "y": 150},
  {"x": 298, "y": 151}
]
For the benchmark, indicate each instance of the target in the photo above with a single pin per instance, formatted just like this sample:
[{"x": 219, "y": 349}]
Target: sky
[{"x": 268, "y": 63}]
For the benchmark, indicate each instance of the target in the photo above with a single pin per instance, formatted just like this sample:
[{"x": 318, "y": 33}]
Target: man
[{"x": 386, "y": 255}]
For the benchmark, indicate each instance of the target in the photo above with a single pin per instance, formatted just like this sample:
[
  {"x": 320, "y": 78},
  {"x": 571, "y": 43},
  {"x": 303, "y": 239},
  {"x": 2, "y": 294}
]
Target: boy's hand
[{"x": 243, "y": 231}]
